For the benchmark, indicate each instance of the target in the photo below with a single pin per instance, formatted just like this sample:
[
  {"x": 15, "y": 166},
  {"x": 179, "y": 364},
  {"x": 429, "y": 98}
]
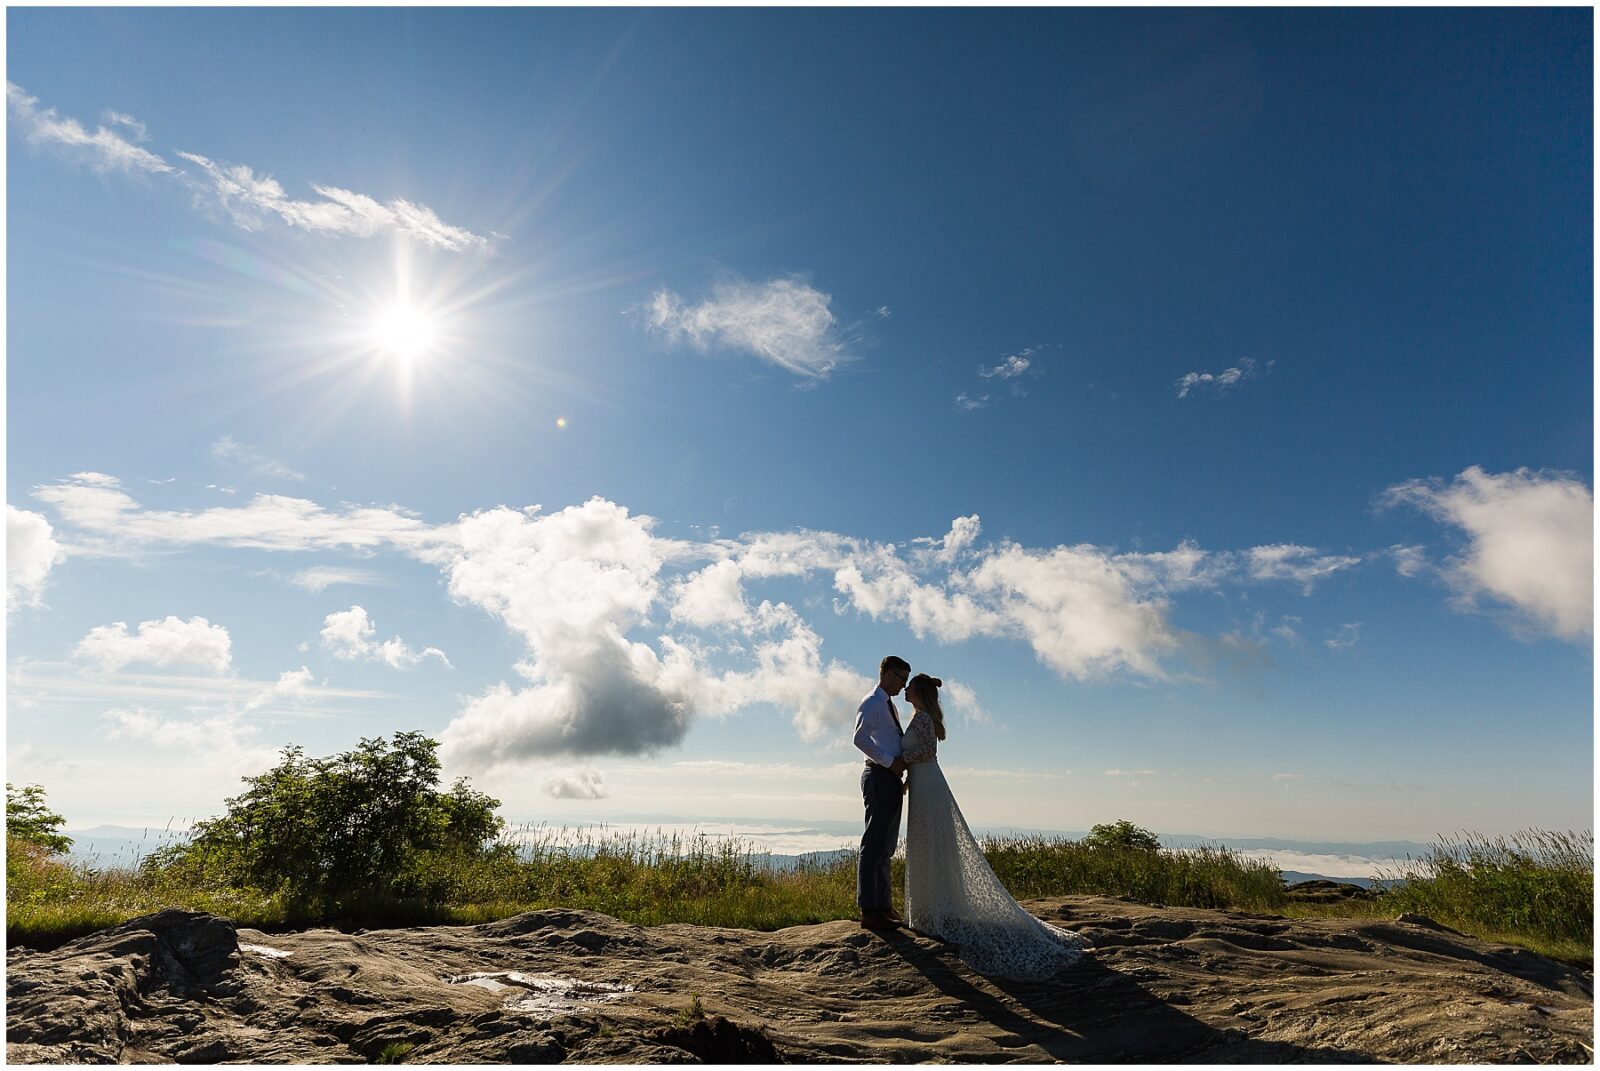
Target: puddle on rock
[
  {"x": 542, "y": 992},
  {"x": 263, "y": 950}
]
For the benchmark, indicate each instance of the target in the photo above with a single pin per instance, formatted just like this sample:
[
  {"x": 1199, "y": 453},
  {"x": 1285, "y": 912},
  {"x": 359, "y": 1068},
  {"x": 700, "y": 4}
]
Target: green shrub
[
  {"x": 368, "y": 824},
  {"x": 29, "y": 819},
  {"x": 1122, "y": 835}
]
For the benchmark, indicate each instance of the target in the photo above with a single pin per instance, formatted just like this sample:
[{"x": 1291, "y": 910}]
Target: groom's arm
[{"x": 871, "y": 721}]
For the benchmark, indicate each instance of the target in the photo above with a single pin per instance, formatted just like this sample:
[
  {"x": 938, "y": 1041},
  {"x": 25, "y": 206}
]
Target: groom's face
[{"x": 894, "y": 680}]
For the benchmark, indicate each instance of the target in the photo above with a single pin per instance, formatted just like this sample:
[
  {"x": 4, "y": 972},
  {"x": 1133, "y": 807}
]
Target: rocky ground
[{"x": 1166, "y": 984}]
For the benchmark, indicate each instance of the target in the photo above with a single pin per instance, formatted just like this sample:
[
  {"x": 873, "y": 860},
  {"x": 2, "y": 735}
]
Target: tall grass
[
  {"x": 1535, "y": 884},
  {"x": 1534, "y": 888},
  {"x": 1193, "y": 877}
]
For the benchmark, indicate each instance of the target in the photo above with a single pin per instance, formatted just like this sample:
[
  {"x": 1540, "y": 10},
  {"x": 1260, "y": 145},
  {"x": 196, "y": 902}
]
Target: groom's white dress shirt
[{"x": 876, "y": 733}]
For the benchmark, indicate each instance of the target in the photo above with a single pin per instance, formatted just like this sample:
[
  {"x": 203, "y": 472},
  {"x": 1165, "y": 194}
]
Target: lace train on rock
[{"x": 952, "y": 893}]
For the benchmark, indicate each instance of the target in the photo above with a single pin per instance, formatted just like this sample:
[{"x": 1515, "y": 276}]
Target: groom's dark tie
[{"x": 893, "y": 714}]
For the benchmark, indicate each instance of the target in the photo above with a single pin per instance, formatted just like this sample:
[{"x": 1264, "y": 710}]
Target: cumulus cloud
[
  {"x": 168, "y": 642},
  {"x": 581, "y": 783},
  {"x": 31, "y": 552},
  {"x": 1011, "y": 367},
  {"x": 293, "y": 685},
  {"x": 628, "y": 636},
  {"x": 713, "y": 596},
  {"x": 1296, "y": 564},
  {"x": 783, "y": 322},
  {"x": 1084, "y": 617},
  {"x": 967, "y": 403},
  {"x": 104, "y": 150},
  {"x": 1220, "y": 382},
  {"x": 572, "y": 585},
  {"x": 1529, "y": 544},
  {"x": 350, "y": 635},
  {"x": 230, "y": 450}
]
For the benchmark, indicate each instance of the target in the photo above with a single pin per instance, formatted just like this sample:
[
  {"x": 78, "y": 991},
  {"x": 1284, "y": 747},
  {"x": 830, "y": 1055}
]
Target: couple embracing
[{"x": 951, "y": 892}]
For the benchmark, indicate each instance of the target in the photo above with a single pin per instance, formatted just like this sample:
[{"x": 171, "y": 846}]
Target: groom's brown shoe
[
  {"x": 894, "y": 917},
  {"x": 878, "y": 920}
]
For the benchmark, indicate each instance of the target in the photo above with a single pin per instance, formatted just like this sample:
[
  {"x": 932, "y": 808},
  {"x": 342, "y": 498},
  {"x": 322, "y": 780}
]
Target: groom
[{"x": 878, "y": 733}]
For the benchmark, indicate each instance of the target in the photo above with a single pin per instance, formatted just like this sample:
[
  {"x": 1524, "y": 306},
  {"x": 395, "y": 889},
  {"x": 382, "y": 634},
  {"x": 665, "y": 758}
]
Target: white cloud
[
  {"x": 1011, "y": 367},
  {"x": 349, "y": 635},
  {"x": 572, "y": 584},
  {"x": 1347, "y": 636},
  {"x": 249, "y": 199},
  {"x": 1129, "y": 773},
  {"x": 230, "y": 450},
  {"x": 968, "y": 403},
  {"x": 136, "y": 128},
  {"x": 104, "y": 150},
  {"x": 1301, "y": 565},
  {"x": 167, "y": 642},
  {"x": 1219, "y": 382},
  {"x": 31, "y": 552},
  {"x": 252, "y": 200},
  {"x": 713, "y": 596},
  {"x": 1529, "y": 544},
  {"x": 784, "y": 322},
  {"x": 293, "y": 685},
  {"x": 319, "y": 578},
  {"x": 228, "y": 745},
  {"x": 1082, "y": 614},
  {"x": 581, "y": 783},
  {"x": 97, "y": 505}
]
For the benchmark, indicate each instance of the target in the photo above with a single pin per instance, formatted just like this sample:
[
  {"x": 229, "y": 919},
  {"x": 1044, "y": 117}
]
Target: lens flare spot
[{"x": 561, "y": 421}]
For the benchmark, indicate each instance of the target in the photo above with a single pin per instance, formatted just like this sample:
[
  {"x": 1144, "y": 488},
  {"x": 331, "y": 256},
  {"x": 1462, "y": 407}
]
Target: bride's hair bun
[{"x": 936, "y": 682}]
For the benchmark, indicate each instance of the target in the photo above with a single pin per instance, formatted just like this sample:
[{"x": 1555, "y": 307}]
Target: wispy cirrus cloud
[
  {"x": 1296, "y": 564},
  {"x": 230, "y": 450},
  {"x": 102, "y": 150},
  {"x": 252, "y": 200},
  {"x": 1223, "y": 381},
  {"x": 1528, "y": 545},
  {"x": 785, "y": 322},
  {"x": 319, "y": 578},
  {"x": 249, "y": 199}
]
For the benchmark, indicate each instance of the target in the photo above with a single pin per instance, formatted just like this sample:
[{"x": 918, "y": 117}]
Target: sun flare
[{"x": 405, "y": 331}]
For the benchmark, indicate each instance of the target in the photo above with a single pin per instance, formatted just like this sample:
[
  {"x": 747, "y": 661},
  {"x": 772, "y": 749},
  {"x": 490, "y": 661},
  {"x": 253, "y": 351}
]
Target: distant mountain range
[{"x": 1355, "y": 862}]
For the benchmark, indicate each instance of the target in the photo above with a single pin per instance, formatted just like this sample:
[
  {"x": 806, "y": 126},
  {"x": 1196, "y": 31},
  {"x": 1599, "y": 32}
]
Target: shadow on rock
[{"x": 1091, "y": 1013}]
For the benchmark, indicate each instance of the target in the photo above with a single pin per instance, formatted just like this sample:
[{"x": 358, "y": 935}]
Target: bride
[{"x": 951, "y": 892}]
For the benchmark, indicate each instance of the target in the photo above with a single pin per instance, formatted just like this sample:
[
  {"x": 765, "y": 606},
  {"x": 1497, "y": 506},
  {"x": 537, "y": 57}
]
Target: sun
[{"x": 405, "y": 331}]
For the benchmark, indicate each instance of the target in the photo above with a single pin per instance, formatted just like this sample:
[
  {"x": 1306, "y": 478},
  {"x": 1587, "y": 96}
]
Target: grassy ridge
[{"x": 1534, "y": 889}]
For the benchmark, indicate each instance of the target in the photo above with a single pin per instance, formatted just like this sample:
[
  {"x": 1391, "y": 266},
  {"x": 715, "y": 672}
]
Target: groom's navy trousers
[{"x": 880, "y": 791}]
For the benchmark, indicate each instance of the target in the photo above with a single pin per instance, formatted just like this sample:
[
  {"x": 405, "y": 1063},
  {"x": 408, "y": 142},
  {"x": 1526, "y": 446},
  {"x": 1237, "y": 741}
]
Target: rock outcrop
[{"x": 1164, "y": 985}]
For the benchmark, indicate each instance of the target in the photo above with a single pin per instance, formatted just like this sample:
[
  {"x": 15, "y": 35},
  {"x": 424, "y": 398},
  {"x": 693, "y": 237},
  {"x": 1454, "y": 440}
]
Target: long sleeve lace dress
[{"x": 951, "y": 891}]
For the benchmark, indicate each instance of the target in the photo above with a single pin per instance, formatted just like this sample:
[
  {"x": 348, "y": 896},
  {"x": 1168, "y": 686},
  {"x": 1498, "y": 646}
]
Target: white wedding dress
[{"x": 951, "y": 891}]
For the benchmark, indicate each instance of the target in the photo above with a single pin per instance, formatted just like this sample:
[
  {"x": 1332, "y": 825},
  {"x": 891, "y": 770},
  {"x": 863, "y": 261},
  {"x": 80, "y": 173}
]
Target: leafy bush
[
  {"x": 366, "y": 824},
  {"x": 1121, "y": 835},
  {"x": 28, "y": 819}
]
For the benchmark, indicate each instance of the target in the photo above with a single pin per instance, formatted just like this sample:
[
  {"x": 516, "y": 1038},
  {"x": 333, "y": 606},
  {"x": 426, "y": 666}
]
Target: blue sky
[{"x": 1205, "y": 396}]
